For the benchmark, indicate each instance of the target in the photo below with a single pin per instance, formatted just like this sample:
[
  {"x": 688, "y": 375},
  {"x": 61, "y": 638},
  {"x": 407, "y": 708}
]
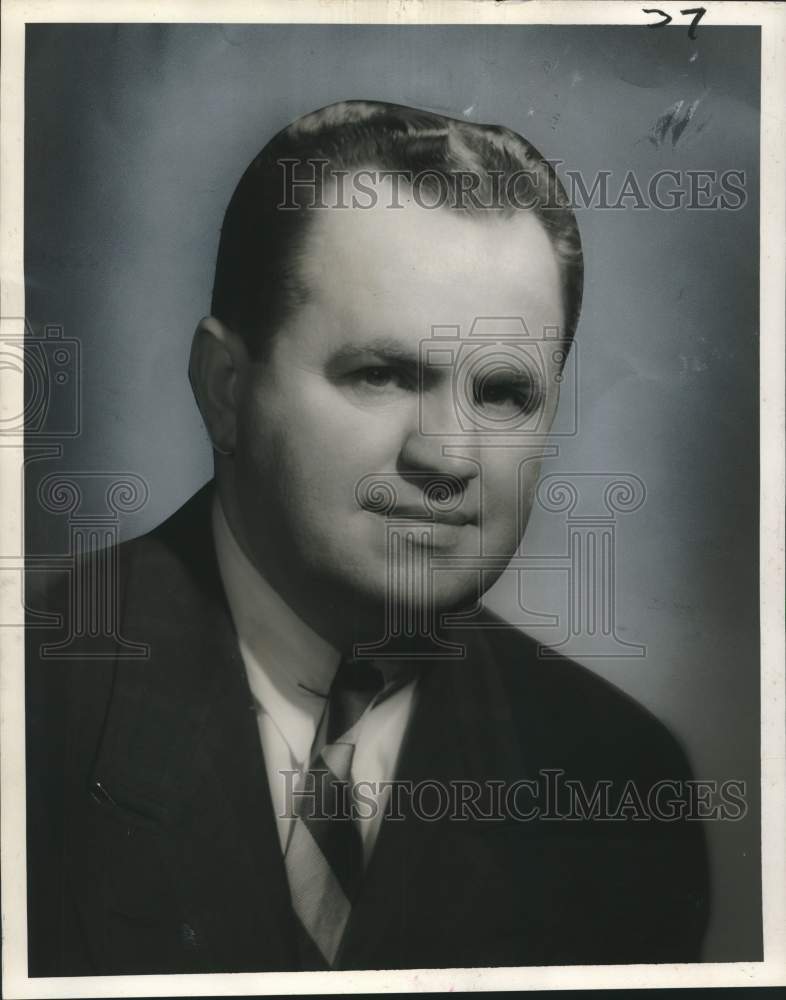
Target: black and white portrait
[{"x": 390, "y": 455}]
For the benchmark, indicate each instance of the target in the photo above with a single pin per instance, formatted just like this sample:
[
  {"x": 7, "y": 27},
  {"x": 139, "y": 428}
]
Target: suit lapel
[
  {"x": 181, "y": 749},
  {"x": 461, "y": 731}
]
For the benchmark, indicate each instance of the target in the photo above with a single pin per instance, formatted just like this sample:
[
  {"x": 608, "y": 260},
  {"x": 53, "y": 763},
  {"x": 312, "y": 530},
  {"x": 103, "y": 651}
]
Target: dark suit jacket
[{"x": 152, "y": 846}]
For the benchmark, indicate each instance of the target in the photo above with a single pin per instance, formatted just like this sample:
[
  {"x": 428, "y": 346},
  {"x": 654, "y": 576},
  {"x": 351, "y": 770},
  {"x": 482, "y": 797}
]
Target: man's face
[{"x": 345, "y": 394}]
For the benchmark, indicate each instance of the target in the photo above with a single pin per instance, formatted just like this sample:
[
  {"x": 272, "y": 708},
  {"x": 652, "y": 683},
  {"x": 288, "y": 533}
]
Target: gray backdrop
[{"x": 135, "y": 138}]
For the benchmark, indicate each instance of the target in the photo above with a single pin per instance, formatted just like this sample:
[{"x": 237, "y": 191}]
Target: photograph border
[{"x": 772, "y": 970}]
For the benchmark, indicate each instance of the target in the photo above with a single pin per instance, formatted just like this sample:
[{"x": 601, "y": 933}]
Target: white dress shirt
[{"x": 290, "y": 669}]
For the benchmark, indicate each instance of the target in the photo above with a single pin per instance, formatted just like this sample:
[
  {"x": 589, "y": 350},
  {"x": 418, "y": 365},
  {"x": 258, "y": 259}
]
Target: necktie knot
[{"x": 354, "y": 688}]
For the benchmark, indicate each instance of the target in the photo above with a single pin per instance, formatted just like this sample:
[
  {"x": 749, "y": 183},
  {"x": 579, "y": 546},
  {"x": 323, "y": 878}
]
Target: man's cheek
[
  {"x": 502, "y": 518},
  {"x": 314, "y": 427}
]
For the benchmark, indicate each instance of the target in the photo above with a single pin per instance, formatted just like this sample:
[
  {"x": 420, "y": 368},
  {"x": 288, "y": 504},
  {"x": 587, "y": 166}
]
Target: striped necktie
[{"x": 324, "y": 856}]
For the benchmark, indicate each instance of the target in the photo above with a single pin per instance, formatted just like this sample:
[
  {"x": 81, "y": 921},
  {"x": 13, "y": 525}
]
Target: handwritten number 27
[{"x": 698, "y": 13}]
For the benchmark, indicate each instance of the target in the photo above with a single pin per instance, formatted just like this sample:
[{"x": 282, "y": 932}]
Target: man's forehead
[
  {"x": 409, "y": 255},
  {"x": 394, "y": 214}
]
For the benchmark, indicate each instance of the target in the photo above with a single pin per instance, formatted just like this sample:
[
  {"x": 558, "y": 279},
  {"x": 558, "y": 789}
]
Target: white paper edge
[{"x": 772, "y": 971}]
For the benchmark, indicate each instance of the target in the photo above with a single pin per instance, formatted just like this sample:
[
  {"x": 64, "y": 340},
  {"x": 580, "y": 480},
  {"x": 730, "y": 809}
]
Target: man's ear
[{"x": 218, "y": 364}]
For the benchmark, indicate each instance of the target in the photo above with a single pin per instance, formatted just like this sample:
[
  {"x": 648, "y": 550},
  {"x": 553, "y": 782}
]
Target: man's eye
[
  {"x": 380, "y": 378},
  {"x": 513, "y": 396},
  {"x": 377, "y": 377}
]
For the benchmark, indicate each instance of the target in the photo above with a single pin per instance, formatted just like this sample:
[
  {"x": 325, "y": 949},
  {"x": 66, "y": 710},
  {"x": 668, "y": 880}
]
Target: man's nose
[{"x": 436, "y": 445}]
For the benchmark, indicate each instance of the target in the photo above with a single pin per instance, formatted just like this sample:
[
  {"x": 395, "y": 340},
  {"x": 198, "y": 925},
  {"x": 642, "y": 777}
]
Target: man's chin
[{"x": 387, "y": 607}]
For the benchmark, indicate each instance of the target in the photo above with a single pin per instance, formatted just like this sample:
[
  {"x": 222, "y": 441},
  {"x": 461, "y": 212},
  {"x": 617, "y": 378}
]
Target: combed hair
[{"x": 257, "y": 280}]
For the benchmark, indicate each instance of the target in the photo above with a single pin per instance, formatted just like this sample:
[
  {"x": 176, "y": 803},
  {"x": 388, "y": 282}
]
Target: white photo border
[{"x": 772, "y": 970}]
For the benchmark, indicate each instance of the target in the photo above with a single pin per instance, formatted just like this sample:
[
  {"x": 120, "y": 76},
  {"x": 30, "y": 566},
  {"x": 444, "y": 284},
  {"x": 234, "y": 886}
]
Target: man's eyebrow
[{"x": 387, "y": 348}]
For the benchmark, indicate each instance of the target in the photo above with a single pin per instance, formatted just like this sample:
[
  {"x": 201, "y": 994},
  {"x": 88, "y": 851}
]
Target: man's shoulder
[
  {"x": 571, "y": 709},
  {"x": 149, "y": 566},
  {"x": 129, "y": 605},
  {"x": 141, "y": 620}
]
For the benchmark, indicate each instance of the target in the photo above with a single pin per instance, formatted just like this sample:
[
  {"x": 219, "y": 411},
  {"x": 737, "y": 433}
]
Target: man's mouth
[{"x": 419, "y": 513}]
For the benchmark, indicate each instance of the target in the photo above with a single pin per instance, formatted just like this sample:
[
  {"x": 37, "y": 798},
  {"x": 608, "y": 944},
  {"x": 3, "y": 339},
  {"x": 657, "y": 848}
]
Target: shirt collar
[{"x": 290, "y": 668}]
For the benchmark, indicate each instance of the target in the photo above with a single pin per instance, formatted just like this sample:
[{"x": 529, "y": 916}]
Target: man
[{"x": 265, "y": 791}]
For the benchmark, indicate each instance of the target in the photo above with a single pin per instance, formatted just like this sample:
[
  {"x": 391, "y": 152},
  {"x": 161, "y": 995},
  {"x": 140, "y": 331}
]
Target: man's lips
[{"x": 421, "y": 513}]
